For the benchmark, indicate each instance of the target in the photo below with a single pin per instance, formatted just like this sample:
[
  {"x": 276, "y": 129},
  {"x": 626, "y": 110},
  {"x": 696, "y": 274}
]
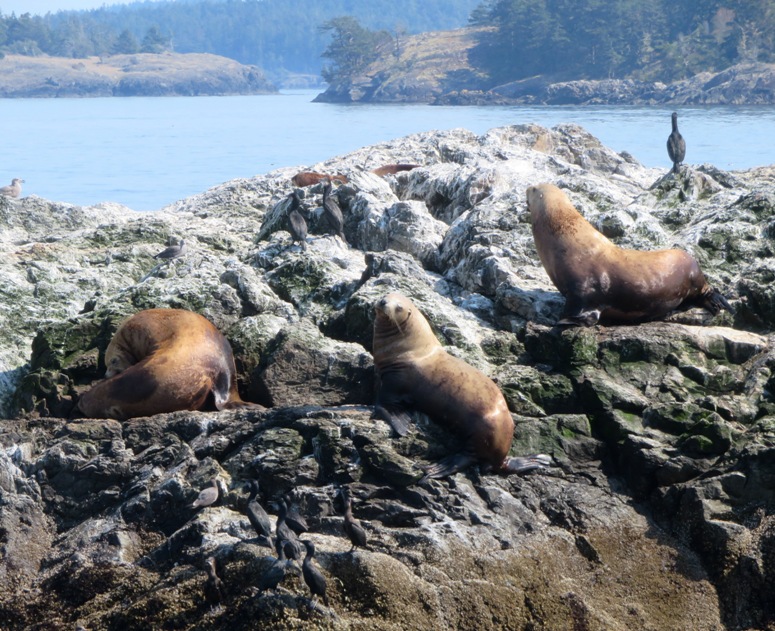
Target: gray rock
[{"x": 661, "y": 433}]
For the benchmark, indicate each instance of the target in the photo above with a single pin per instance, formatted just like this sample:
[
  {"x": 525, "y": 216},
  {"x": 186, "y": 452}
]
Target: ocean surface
[{"x": 146, "y": 153}]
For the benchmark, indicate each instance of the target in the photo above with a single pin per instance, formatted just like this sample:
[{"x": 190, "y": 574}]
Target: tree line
[
  {"x": 277, "y": 35},
  {"x": 642, "y": 39}
]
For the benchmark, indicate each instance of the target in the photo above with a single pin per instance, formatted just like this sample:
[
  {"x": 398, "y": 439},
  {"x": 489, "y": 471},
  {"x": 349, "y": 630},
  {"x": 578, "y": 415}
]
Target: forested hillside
[
  {"x": 277, "y": 35},
  {"x": 642, "y": 39}
]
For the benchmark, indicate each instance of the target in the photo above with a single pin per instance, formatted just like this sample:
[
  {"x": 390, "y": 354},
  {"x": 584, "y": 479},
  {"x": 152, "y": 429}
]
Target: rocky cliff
[
  {"x": 657, "y": 512},
  {"x": 142, "y": 74}
]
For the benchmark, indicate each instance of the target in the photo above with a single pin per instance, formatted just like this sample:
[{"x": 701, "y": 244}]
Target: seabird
[
  {"x": 14, "y": 190},
  {"x": 256, "y": 513},
  {"x": 274, "y": 574},
  {"x": 313, "y": 577},
  {"x": 172, "y": 251},
  {"x": 297, "y": 225},
  {"x": 676, "y": 145},
  {"x": 207, "y": 496},
  {"x": 294, "y": 518},
  {"x": 214, "y": 588},
  {"x": 332, "y": 211},
  {"x": 352, "y": 527}
]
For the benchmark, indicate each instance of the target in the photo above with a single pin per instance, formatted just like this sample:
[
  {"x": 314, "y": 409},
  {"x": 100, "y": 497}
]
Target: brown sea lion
[
  {"x": 414, "y": 372},
  {"x": 600, "y": 280},
  {"x": 392, "y": 169},
  {"x": 308, "y": 178},
  {"x": 163, "y": 360}
]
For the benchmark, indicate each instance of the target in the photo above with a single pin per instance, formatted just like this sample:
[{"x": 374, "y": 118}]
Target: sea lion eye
[{"x": 399, "y": 308}]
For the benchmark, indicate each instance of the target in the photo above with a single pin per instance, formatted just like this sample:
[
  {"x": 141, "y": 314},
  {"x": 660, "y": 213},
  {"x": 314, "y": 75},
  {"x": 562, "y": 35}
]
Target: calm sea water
[{"x": 149, "y": 152}]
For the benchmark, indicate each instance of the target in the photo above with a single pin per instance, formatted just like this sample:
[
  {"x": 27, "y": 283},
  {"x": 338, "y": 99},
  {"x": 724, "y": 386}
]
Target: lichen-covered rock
[{"x": 661, "y": 434}]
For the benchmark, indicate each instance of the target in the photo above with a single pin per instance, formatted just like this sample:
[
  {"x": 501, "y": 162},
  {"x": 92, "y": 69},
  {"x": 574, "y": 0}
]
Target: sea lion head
[{"x": 395, "y": 310}]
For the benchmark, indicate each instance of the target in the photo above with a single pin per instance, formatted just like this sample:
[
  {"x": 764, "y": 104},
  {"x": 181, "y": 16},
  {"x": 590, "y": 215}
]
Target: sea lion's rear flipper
[
  {"x": 449, "y": 465},
  {"x": 714, "y": 302},
  {"x": 522, "y": 464},
  {"x": 398, "y": 417}
]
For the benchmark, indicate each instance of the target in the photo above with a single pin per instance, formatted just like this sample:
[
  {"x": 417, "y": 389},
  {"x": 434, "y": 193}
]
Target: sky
[{"x": 41, "y": 7}]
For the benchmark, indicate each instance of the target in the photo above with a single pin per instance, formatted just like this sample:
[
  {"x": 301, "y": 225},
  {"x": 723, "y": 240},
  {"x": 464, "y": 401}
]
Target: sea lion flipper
[
  {"x": 714, "y": 302},
  {"x": 397, "y": 417},
  {"x": 449, "y": 465},
  {"x": 522, "y": 464}
]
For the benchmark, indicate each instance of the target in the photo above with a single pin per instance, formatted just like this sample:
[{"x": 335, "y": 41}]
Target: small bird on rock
[
  {"x": 352, "y": 526},
  {"x": 297, "y": 225},
  {"x": 332, "y": 211},
  {"x": 207, "y": 496},
  {"x": 294, "y": 518},
  {"x": 14, "y": 189},
  {"x": 172, "y": 251},
  {"x": 214, "y": 588}
]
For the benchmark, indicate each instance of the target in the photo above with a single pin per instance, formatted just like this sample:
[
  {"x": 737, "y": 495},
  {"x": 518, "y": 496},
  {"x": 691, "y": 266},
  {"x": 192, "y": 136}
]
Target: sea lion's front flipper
[
  {"x": 449, "y": 465},
  {"x": 522, "y": 464},
  {"x": 398, "y": 417}
]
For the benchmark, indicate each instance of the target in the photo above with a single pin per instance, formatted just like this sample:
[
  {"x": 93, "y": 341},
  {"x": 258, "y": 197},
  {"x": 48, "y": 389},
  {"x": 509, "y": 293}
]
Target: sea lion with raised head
[
  {"x": 163, "y": 360},
  {"x": 414, "y": 372},
  {"x": 600, "y": 280}
]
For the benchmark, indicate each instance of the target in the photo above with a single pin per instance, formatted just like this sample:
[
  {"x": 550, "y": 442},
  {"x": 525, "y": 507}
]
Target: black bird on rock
[
  {"x": 332, "y": 211},
  {"x": 286, "y": 538},
  {"x": 296, "y": 223},
  {"x": 214, "y": 588},
  {"x": 294, "y": 518},
  {"x": 313, "y": 577},
  {"x": 256, "y": 513},
  {"x": 274, "y": 574},
  {"x": 676, "y": 145},
  {"x": 352, "y": 527}
]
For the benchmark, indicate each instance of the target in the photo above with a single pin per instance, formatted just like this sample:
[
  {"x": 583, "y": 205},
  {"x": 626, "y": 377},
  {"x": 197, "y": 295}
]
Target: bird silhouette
[
  {"x": 313, "y": 577},
  {"x": 214, "y": 588},
  {"x": 296, "y": 223},
  {"x": 294, "y": 518},
  {"x": 274, "y": 574},
  {"x": 256, "y": 513},
  {"x": 676, "y": 145},
  {"x": 352, "y": 527},
  {"x": 332, "y": 211}
]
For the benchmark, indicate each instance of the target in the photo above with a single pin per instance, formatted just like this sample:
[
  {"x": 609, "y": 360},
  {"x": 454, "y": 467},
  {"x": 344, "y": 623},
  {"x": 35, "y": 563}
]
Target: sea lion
[
  {"x": 676, "y": 145},
  {"x": 414, "y": 372},
  {"x": 308, "y": 178},
  {"x": 600, "y": 280},
  {"x": 163, "y": 360},
  {"x": 392, "y": 169}
]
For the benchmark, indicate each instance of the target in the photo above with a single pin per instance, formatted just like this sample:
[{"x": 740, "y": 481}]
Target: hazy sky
[{"x": 41, "y": 7}]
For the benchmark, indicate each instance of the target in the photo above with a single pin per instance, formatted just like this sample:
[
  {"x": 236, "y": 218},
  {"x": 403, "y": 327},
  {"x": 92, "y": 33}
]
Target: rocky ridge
[{"x": 657, "y": 514}]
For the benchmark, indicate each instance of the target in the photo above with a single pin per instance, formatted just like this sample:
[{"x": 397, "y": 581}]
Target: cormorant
[
  {"x": 297, "y": 225},
  {"x": 332, "y": 211},
  {"x": 313, "y": 577},
  {"x": 676, "y": 145}
]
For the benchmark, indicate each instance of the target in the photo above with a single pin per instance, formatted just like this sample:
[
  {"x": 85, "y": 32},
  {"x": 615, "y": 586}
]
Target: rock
[
  {"x": 141, "y": 74},
  {"x": 661, "y": 433}
]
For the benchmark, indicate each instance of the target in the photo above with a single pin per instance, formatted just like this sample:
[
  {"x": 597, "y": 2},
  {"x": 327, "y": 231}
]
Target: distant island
[
  {"x": 435, "y": 68},
  {"x": 140, "y": 74}
]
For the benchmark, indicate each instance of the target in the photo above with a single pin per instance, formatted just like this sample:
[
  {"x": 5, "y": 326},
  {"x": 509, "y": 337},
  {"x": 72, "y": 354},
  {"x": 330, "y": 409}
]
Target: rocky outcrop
[
  {"x": 141, "y": 74},
  {"x": 656, "y": 514},
  {"x": 742, "y": 84},
  {"x": 417, "y": 69}
]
